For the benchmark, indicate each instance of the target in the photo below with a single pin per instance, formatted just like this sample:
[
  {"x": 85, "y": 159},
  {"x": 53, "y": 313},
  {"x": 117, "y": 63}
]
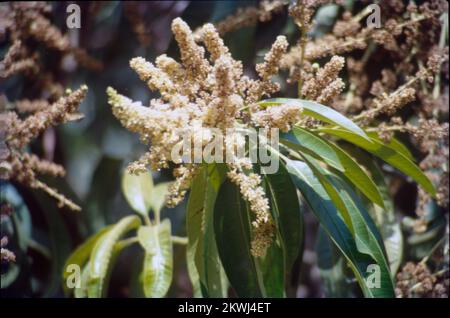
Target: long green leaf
[
  {"x": 232, "y": 231},
  {"x": 305, "y": 141},
  {"x": 331, "y": 191},
  {"x": 386, "y": 153},
  {"x": 194, "y": 218},
  {"x": 273, "y": 270},
  {"x": 286, "y": 212},
  {"x": 318, "y": 111},
  {"x": 368, "y": 238},
  {"x": 384, "y": 218},
  {"x": 81, "y": 255},
  {"x": 322, "y": 206},
  {"x": 200, "y": 227},
  {"x": 332, "y": 267},
  {"x": 158, "y": 260},
  {"x": 393, "y": 143},
  {"x": 102, "y": 254},
  {"x": 81, "y": 292}
]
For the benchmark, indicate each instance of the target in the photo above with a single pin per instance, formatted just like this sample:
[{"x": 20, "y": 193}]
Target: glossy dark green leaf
[
  {"x": 320, "y": 112},
  {"x": 332, "y": 267},
  {"x": 158, "y": 260},
  {"x": 286, "y": 212},
  {"x": 194, "y": 217},
  {"x": 273, "y": 270},
  {"x": 60, "y": 241},
  {"x": 386, "y": 153},
  {"x": 393, "y": 143},
  {"x": 332, "y": 193},
  {"x": 384, "y": 218},
  {"x": 200, "y": 227},
  {"x": 102, "y": 254},
  {"x": 302, "y": 140},
  {"x": 322, "y": 206},
  {"x": 368, "y": 238},
  {"x": 232, "y": 230}
]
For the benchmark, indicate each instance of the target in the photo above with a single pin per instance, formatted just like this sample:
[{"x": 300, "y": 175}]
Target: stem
[
  {"x": 380, "y": 106},
  {"x": 291, "y": 152},
  {"x": 147, "y": 220},
  {"x": 43, "y": 250},
  {"x": 157, "y": 216},
  {"x": 303, "y": 39},
  {"x": 369, "y": 51},
  {"x": 437, "y": 274},
  {"x": 435, "y": 247},
  {"x": 302, "y": 52},
  {"x": 180, "y": 240},
  {"x": 444, "y": 33},
  {"x": 53, "y": 193},
  {"x": 127, "y": 242},
  {"x": 362, "y": 14},
  {"x": 389, "y": 128}
]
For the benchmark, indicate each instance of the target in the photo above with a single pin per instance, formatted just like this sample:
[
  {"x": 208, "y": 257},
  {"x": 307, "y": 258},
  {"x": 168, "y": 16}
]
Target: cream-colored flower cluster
[{"x": 206, "y": 91}]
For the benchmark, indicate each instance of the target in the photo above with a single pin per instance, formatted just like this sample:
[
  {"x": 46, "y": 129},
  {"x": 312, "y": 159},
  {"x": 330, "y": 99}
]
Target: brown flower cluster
[
  {"x": 16, "y": 134},
  {"x": 396, "y": 77},
  {"x": 323, "y": 85},
  {"x": 199, "y": 95},
  {"x": 248, "y": 16},
  {"x": 25, "y": 24},
  {"x": 5, "y": 254},
  {"x": 416, "y": 280},
  {"x": 27, "y": 27}
]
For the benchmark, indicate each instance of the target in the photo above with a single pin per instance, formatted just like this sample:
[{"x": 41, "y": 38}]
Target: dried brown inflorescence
[
  {"x": 416, "y": 280},
  {"x": 25, "y": 24},
  {"x": 16, "y": 134},
  {"x": 247, "y": 16},
  {"x": 28, "y": 27},
  {"x": 199, "y": 95},
  {"x": 413, "y": 38}
]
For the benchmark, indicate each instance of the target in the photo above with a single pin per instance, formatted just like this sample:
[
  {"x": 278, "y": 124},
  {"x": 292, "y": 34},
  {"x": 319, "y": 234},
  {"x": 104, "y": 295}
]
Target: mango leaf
[
  {"x": 102, "y": 255},
  {"x": 200, "y": 229},
  {"x": 194, "y": 218},
  {"x": 304, "y": 141},
  {"x": 273, "y": 263},
  {"x": 393, "y": 143},
  {"x": 368, "y": 238},
  {"x": 138, "y": 189},
  {"x": 81, "y": 292},
  {"x": 232, "y": 231},
  {"x": 193, "y": 273},
  {"x": 158, "y": 260},
  {"x": 331, "y": 267},
  {"x": 320, "y": 112},
  {"x": 158, "y": 196},
  {"x": 81, "y": 255},
  {"x": 60, "y": 241},
  {"x": 362, "y": 264},
  {"x": 330, "y": 190},
  {"x": 386, "y": 153},
  {"x": 273, "y": 270},
  {"x": 384, "y": 218},
  {"x": 286, "y": 212}
]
